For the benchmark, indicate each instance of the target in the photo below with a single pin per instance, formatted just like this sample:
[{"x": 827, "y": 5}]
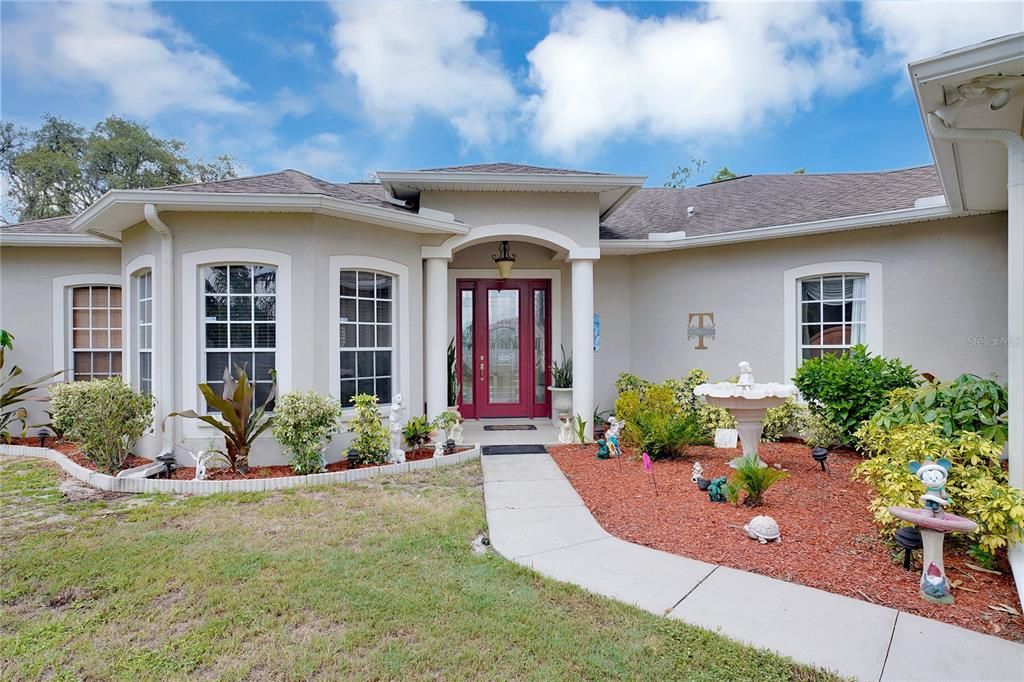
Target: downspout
[
  {"x": 165, "y": 330},
  {"x": 1014, "y": 144}
]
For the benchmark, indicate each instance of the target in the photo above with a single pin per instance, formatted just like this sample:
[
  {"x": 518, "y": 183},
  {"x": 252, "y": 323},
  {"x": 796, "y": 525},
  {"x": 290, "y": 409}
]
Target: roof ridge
[{"x": 240, "y": 177}]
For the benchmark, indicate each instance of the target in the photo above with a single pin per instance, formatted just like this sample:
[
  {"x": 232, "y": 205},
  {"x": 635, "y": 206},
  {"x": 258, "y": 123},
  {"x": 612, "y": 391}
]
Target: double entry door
[{"x": 503, "y": 347}]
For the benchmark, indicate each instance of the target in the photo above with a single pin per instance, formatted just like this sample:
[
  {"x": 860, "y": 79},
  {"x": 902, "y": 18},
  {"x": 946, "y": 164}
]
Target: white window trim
[
  {"x": 872, "y": 272},
  {"x": 191, "y": 272},
  {"x": 134, "y": 268},
  {"x": 61, "y": 316},
  {"x": 400, "y": 339}
]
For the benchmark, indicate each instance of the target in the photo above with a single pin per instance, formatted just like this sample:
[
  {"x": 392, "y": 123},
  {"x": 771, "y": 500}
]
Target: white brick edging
[{"x": 163, "y": 485}]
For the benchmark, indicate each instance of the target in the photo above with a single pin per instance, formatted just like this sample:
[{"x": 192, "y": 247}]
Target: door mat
[
  {"x": 510, "y": 427},
  {"x": 514, "y": 450}
]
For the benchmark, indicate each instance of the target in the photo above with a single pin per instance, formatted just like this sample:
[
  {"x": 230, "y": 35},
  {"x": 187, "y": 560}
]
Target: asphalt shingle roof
[
  {"x": 767, "y": 200},
  {"x": 741, "y": 204}
]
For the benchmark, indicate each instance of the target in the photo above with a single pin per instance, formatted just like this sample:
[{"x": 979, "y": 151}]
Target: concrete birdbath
[
  {"x": 747, "y": 402},
  {"x": 933, "y": 527}
]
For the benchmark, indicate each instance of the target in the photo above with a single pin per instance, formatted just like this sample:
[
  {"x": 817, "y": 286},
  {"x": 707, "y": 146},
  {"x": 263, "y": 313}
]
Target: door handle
[{"x": 481, "y": 368}]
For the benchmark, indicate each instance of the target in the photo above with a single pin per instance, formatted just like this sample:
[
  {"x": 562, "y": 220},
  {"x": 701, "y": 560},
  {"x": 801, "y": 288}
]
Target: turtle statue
[
  {"x": 715, "y": 492},
  {"x": 764, "y": 529}
]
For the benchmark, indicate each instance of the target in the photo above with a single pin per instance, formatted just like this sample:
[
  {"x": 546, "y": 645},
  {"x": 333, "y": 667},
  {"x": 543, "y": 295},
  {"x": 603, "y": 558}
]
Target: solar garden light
[
  {"x": 353, "y": 458},
  {"x": 909, "y": 538},
  {"x": 43, "y": 435},
  {"x": 167, "y": 459},
  {"x": 449, "y": 447}
]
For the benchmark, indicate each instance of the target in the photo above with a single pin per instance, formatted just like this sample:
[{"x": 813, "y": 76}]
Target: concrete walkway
[{"x": 538, "y": 520}]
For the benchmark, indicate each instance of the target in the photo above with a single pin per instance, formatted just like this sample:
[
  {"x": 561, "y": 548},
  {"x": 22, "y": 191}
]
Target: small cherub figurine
[
  {"x": 934, "y": 476},
  {"x": 696, "y": 472},
  {"x": 565, "y": 432},
  {"x": 439, "y": 449},
  {"x": 201, "y": 460},
  {"x": 746, "y": 375},
  {"x": 616, "y": 428}
]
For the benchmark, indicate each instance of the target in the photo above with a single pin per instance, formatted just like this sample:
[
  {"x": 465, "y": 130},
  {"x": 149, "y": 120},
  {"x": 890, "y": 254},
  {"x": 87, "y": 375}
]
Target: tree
[
  {"x": 60, "y": 169},
  {"x": 800, "y": 171},
  {"x": 723, "y": 174},
  {"x": 682, "y": 175}
]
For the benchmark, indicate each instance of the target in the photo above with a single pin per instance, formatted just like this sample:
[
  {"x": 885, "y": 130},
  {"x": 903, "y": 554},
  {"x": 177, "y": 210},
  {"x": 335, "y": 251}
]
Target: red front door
[{"x": 504, "y": 332}]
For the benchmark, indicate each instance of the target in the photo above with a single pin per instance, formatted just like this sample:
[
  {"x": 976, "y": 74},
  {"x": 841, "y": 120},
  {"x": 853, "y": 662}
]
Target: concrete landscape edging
[{"x": 162, "y": 485}]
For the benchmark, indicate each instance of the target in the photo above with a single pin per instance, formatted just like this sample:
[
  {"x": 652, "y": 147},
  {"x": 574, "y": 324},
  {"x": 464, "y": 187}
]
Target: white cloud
[
  {"x": 322, "y": 155},
  {"x": 416, "y": 57},
  {"x": 909, "y": 31},
  {"x": 723, "y": 69},
  {"x": 143, "y": 61}
]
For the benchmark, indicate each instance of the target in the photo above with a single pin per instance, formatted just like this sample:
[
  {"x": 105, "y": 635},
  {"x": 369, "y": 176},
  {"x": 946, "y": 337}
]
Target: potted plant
[{"x": 561, "y": 388}]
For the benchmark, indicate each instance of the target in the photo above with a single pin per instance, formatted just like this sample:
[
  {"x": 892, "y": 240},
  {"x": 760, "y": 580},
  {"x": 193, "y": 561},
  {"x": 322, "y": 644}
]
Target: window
[
  {"x": 365, "y": 334},
  {"x": 95, "y": 332},
  {"x": 833, "y": 314},
  {"x": 240, "y": 324},
  {"x": 144, "y": 321}
]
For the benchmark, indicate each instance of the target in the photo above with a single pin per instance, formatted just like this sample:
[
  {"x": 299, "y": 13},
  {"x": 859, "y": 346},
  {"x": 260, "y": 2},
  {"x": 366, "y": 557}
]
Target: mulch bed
[
  {"x": 829, "y": 540},
  {"x": 72, "y": 452}
]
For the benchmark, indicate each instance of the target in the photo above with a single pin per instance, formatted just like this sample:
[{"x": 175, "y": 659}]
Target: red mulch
[
  {"x": 829, "y": 540},
  {"x": 72, "y": 452}
]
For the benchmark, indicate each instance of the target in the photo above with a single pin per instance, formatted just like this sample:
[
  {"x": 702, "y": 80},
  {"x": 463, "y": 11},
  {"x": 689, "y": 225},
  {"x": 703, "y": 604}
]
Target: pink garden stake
[{"x": 649, "y": 468}]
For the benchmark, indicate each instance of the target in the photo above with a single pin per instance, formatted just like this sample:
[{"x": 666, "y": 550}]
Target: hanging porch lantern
[{"x": 504, "y": 260}]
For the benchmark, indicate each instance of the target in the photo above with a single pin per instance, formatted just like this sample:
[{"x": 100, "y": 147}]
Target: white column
[
  {"x": 583, "y": 341},
  {"x": 435, "y": 335},
  {"x": 1015, "y": 320}
]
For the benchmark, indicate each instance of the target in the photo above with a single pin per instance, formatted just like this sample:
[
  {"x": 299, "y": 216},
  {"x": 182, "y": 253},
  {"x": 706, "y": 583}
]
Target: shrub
[
  {"x": 417, "y": 432},
  {"x": 631, "y": 382},
  {"x": 663, "y": 435},
  {"x": 784, "y": 420},
  {"x": 13, "y": 394},
  {"x": 239, "y": 422},
  {"x": 820, "y": 432},
  {"x": 754, "y": 480},
  {"x": 848, "y": 389},
  {"x": 372, "y": 442},
  {"x": 672, "y": 396},
  {"x": 977, "y": 484},
  {"x": 105, "y": 417},
  {"x": 304, "y": 423},
  {"x": 968, "y": 403},
  {"x": 446, "y": 420}
]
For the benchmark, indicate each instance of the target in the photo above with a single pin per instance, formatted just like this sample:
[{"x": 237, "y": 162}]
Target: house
[{"x": 355, "y": 287}]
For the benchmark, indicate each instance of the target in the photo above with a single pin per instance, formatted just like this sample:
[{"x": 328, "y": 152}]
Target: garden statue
[
  {"x": 602, "y": 449},
  {"x": 934, "y": 523},
  {"x": 696, "y": 472},
  {"x": 455, "y": 433},
  {"x": 764, "y": 529},
  {"x": 715, "y": 492},
  {"x": 397, "y": 454},
  {"x": 615, "y": 429},
  {"x": 746, "y": 375},
  {"x": 933, "y": 475},
  {"x": 202, "y": 461},
  {"x": 439, "y": 448},
  {"x": 565, "y": 431}
]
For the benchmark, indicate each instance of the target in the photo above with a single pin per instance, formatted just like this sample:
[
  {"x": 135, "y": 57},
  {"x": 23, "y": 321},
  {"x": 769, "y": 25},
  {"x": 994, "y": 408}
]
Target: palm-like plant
[
  {"x": 12, "y": 394},
  {"x": 755, "y": 479},
  {"x": 240, "y": 423}
]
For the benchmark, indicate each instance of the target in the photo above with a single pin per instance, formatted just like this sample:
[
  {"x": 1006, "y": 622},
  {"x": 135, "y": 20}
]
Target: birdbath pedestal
[
  {"x": 933, "y": 527},
  {"x": 747, "y": 402}
]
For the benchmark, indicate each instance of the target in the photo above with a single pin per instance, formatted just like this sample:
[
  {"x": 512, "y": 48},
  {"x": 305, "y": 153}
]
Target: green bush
[
  {"x": 968, "y": 403},
  {"x": 373, "y": 441},
  {"x": 672, "y": 396},
  {"x": 105, "y": 417},
  {"x": 977, "y": 484},
  {"x": 631, "y": 382},
  {"x": 754, "y": 480},
  {"x": 417, "y": 432},
  {"x": 848, "y": 389},
  {"x": 663, "y": 435},
  {"x": 786, "y": 419},
  {"x": 820, "y": 432},
  {"x": 304, "y": 423}
]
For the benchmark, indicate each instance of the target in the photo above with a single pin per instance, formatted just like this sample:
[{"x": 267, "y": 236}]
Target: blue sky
[{"x": 341, "y": 90}]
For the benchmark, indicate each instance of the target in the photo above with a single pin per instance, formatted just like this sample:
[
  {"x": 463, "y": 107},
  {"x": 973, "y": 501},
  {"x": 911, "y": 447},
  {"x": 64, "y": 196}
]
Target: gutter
[
  {"x": 165, "y": 334},
  {"x": 1014, "y": 144},
  {"x": 54, "y": 239}
]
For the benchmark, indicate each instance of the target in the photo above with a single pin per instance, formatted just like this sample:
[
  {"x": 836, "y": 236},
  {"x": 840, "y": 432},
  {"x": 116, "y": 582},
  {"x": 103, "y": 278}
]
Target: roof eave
[
  {"x": 92, "y": 219},
  {"x": 397, "y": 181},
  {"x": 627, "y": 247},
  {"x": 50, "y": 239}
]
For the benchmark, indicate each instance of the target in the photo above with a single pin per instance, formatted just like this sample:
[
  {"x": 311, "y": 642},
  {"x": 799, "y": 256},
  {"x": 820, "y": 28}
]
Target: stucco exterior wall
[
  {"x": 944, "y": 298},
  {"x": 26, "y": 301},
  {"x": 613, "y": 302}
]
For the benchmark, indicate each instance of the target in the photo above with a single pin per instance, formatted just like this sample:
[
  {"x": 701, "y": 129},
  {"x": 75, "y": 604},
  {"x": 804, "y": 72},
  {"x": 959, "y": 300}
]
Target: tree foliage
[
  {"x": 60, "y": 168},
  {"x": 723, "y": 174},
  {"x": 683, "y": 174}
]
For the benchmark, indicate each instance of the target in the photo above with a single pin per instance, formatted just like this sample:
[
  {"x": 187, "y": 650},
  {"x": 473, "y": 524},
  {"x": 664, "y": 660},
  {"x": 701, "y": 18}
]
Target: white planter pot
[{"x": 561, "y": 403}]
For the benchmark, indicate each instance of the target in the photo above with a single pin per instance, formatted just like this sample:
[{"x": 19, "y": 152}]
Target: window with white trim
[
  {"x": 833, "y": 314},
  {"x": 366, "y": 334},
  {"x": 144, "y": 328},
  {"x": 240, "y": 324},
  {"x": 95, "y": 332}
]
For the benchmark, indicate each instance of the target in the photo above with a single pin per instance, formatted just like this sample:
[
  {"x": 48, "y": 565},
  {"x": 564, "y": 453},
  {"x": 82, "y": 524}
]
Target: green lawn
[{"x": 371, "y": 581}]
